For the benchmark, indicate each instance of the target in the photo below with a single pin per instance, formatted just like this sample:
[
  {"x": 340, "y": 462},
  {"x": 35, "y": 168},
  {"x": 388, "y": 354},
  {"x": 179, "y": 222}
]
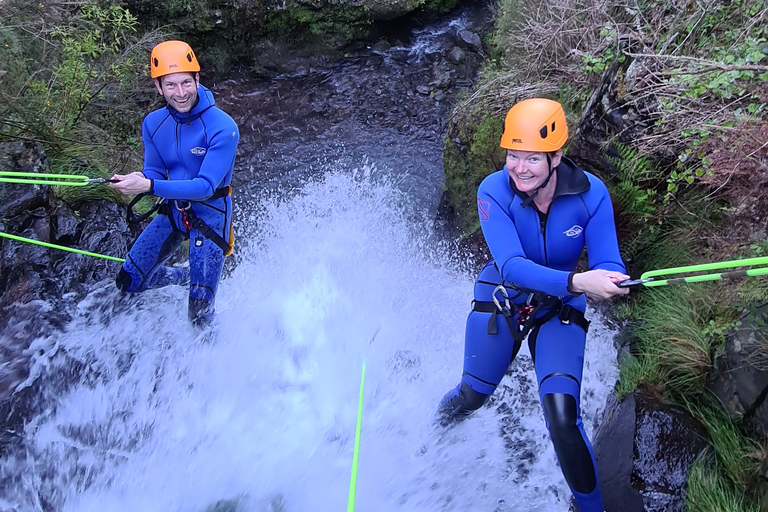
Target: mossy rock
[{"x": 471, "y": 152}]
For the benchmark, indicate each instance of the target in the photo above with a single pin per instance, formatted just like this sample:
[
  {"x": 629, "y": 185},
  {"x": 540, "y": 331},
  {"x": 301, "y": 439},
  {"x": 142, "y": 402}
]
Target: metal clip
[
  {"x": 176, "y": 203},
  {"x": 506, "y": 298}
]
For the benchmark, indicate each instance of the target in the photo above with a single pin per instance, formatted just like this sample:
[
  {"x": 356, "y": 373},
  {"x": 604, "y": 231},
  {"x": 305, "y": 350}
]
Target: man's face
[
  {"x": 529, "y": 170},
  {"x": 179, "y": 90}
]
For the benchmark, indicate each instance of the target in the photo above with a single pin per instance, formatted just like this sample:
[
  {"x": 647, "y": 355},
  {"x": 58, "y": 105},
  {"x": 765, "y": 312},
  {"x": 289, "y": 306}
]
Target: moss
[
  {"x": 440, "y": 6},
  {"x": 471, "y": 152},
  {"x": 327, "y": 25}
]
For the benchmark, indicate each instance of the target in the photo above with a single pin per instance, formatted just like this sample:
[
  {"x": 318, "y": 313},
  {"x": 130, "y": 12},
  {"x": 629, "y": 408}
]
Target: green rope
[
  {"x": 652, "y": 274},
  {"x": 356, "y": 454},
  {"x": 36, "y": 178},
  {"x": 711, "y": 277},
  {"x": 54, "y": 246}
]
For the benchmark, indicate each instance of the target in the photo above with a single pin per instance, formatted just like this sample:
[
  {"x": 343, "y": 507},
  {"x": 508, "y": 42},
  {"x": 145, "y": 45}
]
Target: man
[
  {"x": 189, "y": 153},
  {"x": 537, "y": 214}
]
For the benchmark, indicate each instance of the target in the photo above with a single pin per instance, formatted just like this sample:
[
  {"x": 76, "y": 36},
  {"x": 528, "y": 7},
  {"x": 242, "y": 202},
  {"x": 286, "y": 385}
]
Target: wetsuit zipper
[{"x": 543, "y": 223}]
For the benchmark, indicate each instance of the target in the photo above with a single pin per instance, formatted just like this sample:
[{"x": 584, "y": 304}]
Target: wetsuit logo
[
  {"x": 575, "y": 231},
  {"x": 483, "y": 208},
  {"x": 197, "y": 151}
]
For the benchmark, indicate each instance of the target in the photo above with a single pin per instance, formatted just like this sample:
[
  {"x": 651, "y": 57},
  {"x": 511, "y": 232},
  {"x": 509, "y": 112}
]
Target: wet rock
[
  {"x": 469, "y": 39},
  {"x": 441, "y": 78},
  {"x": 644, "y": 451},
  {"x": 381, "y": 46},
  {"x": 740, "y": 377},
  {"x": 423, "y": 89},
  {"x": 22, "y": 157},
  {"x": 456, "y": 55},
  {"x": 34, "y": 279}
]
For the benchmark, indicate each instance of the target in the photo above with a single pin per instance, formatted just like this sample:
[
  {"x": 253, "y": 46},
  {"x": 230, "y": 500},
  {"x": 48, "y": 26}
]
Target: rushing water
[
  {"x": 264, "y": 412},
  {"x": 337, "y": 266}
]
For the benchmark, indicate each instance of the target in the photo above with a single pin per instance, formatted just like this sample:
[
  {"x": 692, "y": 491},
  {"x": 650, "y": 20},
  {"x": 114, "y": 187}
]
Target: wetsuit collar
[{"x": 570, "y": 181}]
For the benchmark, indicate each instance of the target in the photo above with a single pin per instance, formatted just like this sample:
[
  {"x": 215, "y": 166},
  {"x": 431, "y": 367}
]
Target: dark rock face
[
  {"x": 740, "y": 378},
  {"x": 20, "y": 157},
  {"x": 645, "y": 450},
  {"x": 34, "y": 278}
]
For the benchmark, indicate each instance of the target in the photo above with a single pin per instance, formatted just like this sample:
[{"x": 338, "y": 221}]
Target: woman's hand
[
  {"x": 599, "y": 284},
  {"x": 134, "y": 183}
]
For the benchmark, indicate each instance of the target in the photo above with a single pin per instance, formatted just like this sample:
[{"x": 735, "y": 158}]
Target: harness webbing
[
  {"x": 189, "y": 215},
  {"x": 519, "y": 330}
]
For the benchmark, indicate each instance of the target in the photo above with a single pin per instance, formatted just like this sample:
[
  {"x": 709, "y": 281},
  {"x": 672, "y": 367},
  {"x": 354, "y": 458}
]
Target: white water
[{"x": 265, "y": 415}]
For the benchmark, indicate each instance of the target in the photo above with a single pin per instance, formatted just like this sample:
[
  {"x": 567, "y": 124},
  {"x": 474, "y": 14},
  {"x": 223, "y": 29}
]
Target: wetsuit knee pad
[
  {"x": 575, "y": 457},
  {"x": 459, "y": 403}
]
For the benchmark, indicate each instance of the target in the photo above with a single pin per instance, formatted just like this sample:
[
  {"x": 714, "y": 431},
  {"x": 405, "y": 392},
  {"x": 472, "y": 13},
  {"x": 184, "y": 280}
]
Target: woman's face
[{"x": 529, "y": 170}]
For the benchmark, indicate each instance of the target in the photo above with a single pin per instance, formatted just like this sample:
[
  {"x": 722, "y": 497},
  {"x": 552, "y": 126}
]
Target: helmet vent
[
  {"x": 543, "y": 132},
  {"x": 156, "y": 62},
  {"x": 189, "y": 57},
  {"x": 553, "y": 126}
]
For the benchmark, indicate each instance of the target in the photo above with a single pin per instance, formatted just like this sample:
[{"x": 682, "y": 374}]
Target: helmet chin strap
[{"x": 532, "y": 196}]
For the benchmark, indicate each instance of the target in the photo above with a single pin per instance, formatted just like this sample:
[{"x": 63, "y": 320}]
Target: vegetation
[
  {"x": 709, "y": 491},
  {"x": 73, "y": 85}
]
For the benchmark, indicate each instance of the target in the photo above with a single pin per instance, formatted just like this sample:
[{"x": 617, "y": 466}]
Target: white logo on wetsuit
[
  {"x": 574, "y": 231},
  {"x": 197, "y": 151}
]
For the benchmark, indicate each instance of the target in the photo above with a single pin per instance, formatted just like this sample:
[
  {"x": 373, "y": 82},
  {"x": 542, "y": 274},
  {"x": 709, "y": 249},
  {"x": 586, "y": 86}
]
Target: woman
[{"x": 537, "y": 214}]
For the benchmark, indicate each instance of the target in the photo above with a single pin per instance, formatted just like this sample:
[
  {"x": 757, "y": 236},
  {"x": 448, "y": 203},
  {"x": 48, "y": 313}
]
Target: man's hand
[
  {"x": 599, "y": 284},
  {"x": 134, "y": 183}
]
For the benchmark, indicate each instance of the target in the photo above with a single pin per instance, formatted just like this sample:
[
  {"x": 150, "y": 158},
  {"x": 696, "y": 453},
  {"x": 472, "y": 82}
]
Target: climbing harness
[
  {"x": 134, "y": 218},
  {"x": 527, "y": 313},
  {"x": 188, "y": 218}
]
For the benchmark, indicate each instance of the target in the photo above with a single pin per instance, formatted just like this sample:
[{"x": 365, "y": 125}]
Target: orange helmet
[
  {"x": 172, "y": 57},
  {"x": 536, "y": 124}
]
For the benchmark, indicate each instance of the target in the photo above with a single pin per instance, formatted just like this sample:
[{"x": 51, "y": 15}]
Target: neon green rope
[
  {"x": 711, "y": 277},
  {"x": 54, "y": 246},
  {"x": 707, "y": 266},
  {"x": 356, "y": 455},
  {"x": 707, "y": 277},
  {"x": 36, "y": 178}
]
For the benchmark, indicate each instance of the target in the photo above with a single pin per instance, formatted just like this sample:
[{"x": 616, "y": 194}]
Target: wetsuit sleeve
[
  {"x": 503, "y": 240},
  {"x": 154, "y": 167},
  {"x": 600, "y": 235},
  {"x": 217, "y": 162}
]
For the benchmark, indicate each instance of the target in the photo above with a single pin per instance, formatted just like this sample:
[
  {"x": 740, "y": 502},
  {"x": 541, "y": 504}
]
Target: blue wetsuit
[
  {"x": 536, "y": 252},
  {"x": 189, "y": 159}
]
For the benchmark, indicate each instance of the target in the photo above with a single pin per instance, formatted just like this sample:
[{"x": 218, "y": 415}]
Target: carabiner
[
  {"x": 506, "y": 298},
  {"x": 176, "y": 203}
]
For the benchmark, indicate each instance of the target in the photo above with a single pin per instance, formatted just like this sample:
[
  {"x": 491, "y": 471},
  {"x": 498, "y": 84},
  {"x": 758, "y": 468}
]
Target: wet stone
[
  {"x": 471, "y": 40},
  {"x": 456, "y": 54},
  {"x": 644, "y": 451}
]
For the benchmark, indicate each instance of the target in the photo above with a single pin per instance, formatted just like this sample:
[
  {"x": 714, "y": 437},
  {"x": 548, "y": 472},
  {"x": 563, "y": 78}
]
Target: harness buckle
[
  {"x": 565, "y": 314},
  {"x": 505, "y": 295}
]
